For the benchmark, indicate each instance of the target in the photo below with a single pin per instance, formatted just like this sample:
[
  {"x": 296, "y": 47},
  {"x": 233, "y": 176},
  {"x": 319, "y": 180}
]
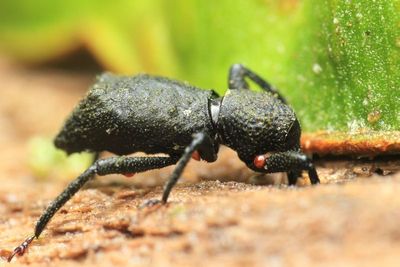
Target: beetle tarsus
[
  {"x": 312, "y": 173},
  {"x": 21, "y": 249},
  {"x": 150, "y": 203}
]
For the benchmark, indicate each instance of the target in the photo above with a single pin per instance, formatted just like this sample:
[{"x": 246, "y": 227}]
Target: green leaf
[{"x": 337, "y": 62}]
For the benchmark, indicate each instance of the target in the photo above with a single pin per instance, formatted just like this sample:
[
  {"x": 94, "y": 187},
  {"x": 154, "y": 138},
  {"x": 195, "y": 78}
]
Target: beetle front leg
[
  {"x": 237, "y": 80},
  {"x": 291, "y": 162},
  {"x": 106, "y": 166},
  {"x": 293, "y": 176}
]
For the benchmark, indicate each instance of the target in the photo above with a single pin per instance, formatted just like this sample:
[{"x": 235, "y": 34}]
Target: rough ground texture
[{"x": 351, "y": 219}]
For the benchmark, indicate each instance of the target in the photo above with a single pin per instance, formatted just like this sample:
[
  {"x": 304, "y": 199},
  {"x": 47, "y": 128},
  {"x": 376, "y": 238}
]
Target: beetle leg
[
  {"x": 292, "y": 162},
  {"x": 236, "y": 80},
  {"x": 100, "y": 167},
  {"x": 201, "y": 142},
  {"x": 293, "y": 176}
]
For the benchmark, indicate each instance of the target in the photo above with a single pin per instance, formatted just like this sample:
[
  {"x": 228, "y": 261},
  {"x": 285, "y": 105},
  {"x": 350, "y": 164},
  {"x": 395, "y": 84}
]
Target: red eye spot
[
  {"x": 259, "y": 161},
  {"x": 196, "y": 155}
]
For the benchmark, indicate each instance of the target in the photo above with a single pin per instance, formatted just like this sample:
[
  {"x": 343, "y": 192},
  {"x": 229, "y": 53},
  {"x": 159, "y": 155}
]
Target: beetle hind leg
[{"x": 100, "y": 167}]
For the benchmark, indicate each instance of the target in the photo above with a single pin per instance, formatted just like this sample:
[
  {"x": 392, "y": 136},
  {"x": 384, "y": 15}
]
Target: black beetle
[{"x": 158, "y": 115}]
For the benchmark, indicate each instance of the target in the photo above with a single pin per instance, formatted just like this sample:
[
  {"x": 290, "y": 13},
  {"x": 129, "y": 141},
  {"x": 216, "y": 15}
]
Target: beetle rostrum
[{"x": 123, "y": 115}]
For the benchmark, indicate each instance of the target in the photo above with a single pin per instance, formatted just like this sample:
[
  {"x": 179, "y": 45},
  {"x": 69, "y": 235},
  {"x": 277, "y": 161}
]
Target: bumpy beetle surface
[
  {"x": 157, "y": 115},
  {"x": 142, "y": 113},
  {"x": 253, "y": 123}
]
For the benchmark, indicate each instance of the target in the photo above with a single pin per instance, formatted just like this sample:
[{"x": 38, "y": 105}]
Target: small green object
[{"x": 48, "y": 162}]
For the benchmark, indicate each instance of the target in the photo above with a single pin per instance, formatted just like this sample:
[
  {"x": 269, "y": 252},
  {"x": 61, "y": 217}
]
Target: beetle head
[{"x": 255, "y": 123}]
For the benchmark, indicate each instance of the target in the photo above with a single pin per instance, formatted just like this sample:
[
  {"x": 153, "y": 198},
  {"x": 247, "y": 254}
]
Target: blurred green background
[{"x": 336, "y": 61}]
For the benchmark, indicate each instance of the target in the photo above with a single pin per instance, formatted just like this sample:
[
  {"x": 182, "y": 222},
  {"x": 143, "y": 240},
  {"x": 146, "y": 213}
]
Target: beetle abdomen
[{"x": 142, "y": 113}]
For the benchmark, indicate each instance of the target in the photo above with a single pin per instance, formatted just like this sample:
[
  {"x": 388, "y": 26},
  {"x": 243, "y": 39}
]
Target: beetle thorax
[{"x": 253, "y": 123}]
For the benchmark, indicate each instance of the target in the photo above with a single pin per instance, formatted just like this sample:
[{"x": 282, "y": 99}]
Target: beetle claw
[
  {"x": 150, "y": 203},
  {"x": 21, "y": 249}
]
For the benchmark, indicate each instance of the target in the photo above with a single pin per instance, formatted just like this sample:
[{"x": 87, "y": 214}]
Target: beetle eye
[{"x": 259, "y": 161}]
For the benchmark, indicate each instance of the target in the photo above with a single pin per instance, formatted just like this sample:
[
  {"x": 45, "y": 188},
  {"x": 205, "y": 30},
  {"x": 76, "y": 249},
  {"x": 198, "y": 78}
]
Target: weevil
[{"x": 152, "y": 114}]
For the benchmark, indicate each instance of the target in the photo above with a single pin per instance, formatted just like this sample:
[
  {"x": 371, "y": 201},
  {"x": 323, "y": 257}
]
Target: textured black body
[
  {"x": 256, "y": 123},
  {"x": 143, "y": 113}
]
